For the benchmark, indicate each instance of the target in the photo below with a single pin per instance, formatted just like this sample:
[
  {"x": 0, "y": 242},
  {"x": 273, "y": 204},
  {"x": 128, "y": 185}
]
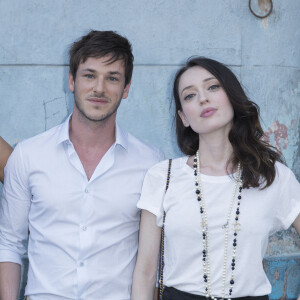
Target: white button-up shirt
[{"x": 83, "y": 233}]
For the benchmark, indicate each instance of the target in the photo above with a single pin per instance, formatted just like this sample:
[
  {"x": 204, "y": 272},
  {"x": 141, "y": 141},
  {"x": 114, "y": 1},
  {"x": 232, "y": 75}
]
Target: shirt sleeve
[
  {"x": 289, "y": 205},
  {"x": 14, "y": 209},
  {"x": 153, "y": 191}
]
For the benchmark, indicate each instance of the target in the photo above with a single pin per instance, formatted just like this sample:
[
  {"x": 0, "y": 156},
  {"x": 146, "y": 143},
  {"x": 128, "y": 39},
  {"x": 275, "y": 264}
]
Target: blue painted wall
[{"x": 34, "y": 40}]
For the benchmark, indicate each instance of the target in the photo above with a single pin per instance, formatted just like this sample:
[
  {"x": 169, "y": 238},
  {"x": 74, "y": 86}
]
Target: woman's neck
[{"x": 215, "y": 155}]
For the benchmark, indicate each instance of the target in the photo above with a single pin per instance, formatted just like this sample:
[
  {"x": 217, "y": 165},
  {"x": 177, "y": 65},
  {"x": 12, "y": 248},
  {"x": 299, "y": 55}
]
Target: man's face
[{"x": 99, "y": 88}]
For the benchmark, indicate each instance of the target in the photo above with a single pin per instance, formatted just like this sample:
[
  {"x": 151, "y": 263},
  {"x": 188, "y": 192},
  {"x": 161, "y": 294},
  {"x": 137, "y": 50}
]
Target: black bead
[
  {"x": 234, "y": 240},
  {"x": 233, "y": 260},
  {"x": 230, "y": 290},
  {"x": 235, "y": 234},
  {"x": 204, "y": 259},
  {"x": 195, "y": 173},
  {"x": 234, "y": 244},
  {"x": 197, "y": 192},
  {"x": 239, "y": 197},
  {"x": 231, "y": 281},
  {"x": 196, "y": 183},
  {"x": 199, "y": 198},
  {"x": 236, "y": 218},
  {"x": 237, "y": 212},
  {"x": 195, "y": 159},
  {"x": 233, "y": 264}
]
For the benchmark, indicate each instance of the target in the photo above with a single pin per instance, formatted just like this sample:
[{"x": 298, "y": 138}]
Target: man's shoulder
[
  {"x": 143, "y": 149},
  {"x": 42, "y": 139}
]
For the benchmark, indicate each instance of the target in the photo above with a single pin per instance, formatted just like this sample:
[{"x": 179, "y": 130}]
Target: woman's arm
[
  {"x": 145, "y": 272},
  {"x": 5, "y": 151},
  {"x": 296, "y": 224}
]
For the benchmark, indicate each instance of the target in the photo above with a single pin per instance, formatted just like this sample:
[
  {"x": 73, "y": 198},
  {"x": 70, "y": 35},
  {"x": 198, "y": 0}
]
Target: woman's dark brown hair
[{"x": 257, "y": 157}]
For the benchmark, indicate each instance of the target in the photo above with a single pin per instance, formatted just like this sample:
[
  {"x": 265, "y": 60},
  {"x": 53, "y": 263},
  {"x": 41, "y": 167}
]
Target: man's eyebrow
[
  {"x": 89, "y": 70},
  {"x": 114, "y": 73}
]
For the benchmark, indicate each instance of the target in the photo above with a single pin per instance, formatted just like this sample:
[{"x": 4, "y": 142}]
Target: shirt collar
[{"x": 121, "y": 135}]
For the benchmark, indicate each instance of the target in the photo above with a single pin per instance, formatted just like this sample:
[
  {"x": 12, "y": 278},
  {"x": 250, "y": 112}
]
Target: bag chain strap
[{"x": 162, "y": 242}]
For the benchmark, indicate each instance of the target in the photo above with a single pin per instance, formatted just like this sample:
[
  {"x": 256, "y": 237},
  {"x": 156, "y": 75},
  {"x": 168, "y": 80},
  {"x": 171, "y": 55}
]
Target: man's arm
[
  {"x": 5, "y": 151},
  {"x": 10, "y": 275}
]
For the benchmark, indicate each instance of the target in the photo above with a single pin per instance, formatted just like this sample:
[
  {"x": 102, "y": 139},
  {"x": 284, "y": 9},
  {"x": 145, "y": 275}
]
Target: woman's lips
[{"x": 207, "y": 112}]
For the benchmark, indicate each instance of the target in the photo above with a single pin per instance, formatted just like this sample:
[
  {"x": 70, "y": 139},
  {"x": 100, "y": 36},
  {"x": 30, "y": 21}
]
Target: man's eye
[
  {"x": 111, "y": 78},
  {"x": 89, "y": 76},
  {"x": 189, "y": 96},
  {"x": 214, "y": 87}
]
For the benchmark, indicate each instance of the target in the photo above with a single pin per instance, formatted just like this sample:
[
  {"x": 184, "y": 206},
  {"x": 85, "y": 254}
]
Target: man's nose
[{"x": 99, "y": 85}]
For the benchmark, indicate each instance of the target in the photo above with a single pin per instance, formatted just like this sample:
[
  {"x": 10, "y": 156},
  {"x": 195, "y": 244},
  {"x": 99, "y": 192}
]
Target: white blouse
[{"x": 262, "y": 213}]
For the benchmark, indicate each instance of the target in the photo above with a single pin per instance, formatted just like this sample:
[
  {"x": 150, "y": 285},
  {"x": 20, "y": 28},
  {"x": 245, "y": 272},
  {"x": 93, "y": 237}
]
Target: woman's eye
[
  {"x": 214, "y": 87},
  {"x": 189, "y": 96}
]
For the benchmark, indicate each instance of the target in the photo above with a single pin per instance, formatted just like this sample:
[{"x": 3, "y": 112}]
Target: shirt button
[
  {"x": 86, "y": 191},
  {"x": 84, "y": 228}
]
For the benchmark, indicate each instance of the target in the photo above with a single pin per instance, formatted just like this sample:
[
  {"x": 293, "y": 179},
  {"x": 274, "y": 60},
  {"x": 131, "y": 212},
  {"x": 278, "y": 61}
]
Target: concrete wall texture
[{"x": 264, "y": 53}]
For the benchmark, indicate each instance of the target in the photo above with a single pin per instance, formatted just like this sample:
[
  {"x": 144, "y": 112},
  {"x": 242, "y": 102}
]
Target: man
[
  {"x": 75, "y": 188},
  {"x": 5, "y": 151}
]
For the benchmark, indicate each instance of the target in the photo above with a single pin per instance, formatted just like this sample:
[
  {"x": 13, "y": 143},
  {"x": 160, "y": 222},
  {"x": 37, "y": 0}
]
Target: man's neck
[
  {"x": 89, "y": 134},
  {"x": 91, "y": 140}
]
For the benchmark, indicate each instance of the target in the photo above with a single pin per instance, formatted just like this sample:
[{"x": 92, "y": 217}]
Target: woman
[
  {"x": 5, "y": 151},
  {"x": 224, "y": 198}
]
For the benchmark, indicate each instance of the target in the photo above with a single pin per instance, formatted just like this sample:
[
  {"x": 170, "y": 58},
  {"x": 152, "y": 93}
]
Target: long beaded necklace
[{"x": 205, "y": 234}]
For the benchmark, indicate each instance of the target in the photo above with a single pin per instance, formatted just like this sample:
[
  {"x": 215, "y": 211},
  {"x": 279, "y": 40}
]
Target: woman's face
[{"x": 205, "y": 105}]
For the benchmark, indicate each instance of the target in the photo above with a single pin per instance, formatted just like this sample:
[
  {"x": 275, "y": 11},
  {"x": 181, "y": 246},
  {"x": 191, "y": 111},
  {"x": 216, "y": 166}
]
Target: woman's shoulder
[{"x": 284, "y": 174}]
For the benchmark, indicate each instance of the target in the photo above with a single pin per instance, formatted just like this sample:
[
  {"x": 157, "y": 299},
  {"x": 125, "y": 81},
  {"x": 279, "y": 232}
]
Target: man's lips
[
  {"x": 98, "y": 100},
  {"x": 207, "y": 112}
]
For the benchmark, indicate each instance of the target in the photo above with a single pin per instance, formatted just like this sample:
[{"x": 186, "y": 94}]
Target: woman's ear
[{"x": 183, "y": 118}]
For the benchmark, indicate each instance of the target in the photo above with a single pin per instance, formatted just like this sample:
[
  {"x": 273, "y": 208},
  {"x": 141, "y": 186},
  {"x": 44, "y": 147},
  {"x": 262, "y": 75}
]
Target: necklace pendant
[
  {"x": 225, "y": 225},
  {"x": 236, "y": 226}
]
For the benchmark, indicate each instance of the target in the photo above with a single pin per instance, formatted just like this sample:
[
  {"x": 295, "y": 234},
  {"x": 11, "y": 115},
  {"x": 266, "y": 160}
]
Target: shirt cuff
[{"x": 9, "y": 256}]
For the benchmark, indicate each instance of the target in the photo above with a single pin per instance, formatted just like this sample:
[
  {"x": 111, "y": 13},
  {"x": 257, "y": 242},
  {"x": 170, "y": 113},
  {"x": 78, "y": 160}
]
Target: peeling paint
[
  {"x": 280, "y": 134},
  {"x": 284, "y": 275}
]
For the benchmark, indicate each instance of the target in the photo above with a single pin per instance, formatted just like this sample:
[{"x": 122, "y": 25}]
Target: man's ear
[
  {"x": 183, "y": 118},
  {"x": 71, "y": 83},
  {"x": 126, "y": 90}
]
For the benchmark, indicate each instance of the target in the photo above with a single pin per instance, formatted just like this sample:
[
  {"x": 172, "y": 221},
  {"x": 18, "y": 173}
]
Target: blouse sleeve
[
  {"x": 289, "y": 205},
  {"x": 153, "y": 191}
]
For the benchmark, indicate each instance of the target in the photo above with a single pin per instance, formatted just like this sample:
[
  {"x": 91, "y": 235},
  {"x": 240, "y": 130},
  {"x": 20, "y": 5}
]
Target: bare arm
[
  {"x": 10, "y": 275},
  {"x": 5, "y": 151},
  {"x": 145, "y": 272},
  {"x": 296, "y": 224}
]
